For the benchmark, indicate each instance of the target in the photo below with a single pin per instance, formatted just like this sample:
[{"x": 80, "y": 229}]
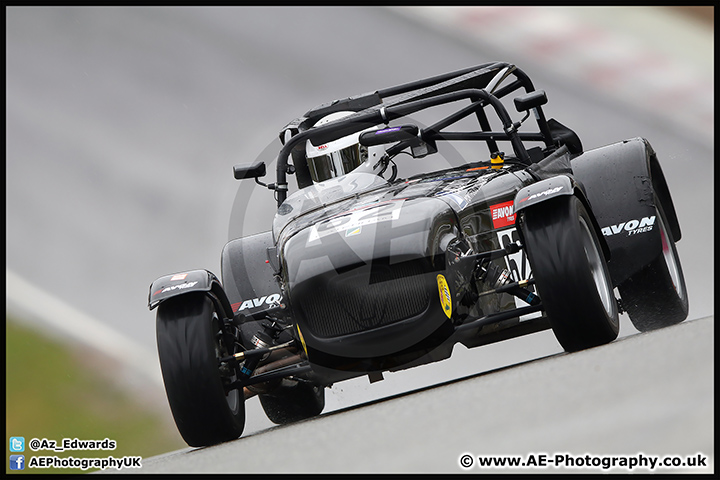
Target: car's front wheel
[
  {"x": 570, "y": 272},
  {"x": 190, "y": 341}
]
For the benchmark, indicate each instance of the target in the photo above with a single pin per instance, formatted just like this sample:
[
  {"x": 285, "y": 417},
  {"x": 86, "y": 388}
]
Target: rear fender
[
  {"x": 249, "y": 267},
  {"x": 662, "y": 191},
  {"x": 622, "y": 181},
  {"x": 554, "y": 187},
  {"x": 178, "y": 284}
]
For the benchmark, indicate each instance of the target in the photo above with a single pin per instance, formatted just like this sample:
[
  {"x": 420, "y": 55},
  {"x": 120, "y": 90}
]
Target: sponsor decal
[
  {"x": 322, "y": 147},
  {"x": 503, "y": 214},
  {"x": 179, "y": 276},
  {"x": 267, "y": 300},
  {"x": 445, "y": 298},
  {"x": 632, "y": 227},
  {"x": 549, "y": 191},
  {"x": 181, "y": 286},
  {"x": 356, "y": 219},
  {"x": 353, "y": 231}
]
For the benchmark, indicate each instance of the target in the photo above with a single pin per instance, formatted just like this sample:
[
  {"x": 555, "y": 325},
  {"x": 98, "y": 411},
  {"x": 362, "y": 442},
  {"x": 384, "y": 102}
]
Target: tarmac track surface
[
  {"x": 646, "y": 395},
  {"x": 123, "y": 123}
]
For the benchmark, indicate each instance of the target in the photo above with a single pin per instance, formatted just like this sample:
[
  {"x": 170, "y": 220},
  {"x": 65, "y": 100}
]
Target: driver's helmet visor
[{"x": 337, "y": 163}]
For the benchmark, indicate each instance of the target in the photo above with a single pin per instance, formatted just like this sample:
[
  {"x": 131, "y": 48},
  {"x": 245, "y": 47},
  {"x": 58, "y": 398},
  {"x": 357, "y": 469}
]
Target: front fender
[
  {"x": 543, "y": 190},
  {"x": 177, "y": 284},
  {"x": 561, "y": 185}
]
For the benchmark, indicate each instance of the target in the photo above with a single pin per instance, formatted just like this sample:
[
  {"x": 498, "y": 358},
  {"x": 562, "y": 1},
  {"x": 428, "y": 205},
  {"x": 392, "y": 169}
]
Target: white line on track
[{"x": 45, "y": 310}]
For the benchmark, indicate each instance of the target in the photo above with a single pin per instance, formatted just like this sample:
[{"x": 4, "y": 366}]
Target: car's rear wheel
[
  {"x": 570, "y": 272},
  {"x": 656, "y": 296},
  {"x": 190, "y": 341},
  {"x": 292, "y": 403}
]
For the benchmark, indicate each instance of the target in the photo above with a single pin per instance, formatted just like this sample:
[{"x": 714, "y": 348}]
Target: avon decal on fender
[{"x": 503, "y": 214}]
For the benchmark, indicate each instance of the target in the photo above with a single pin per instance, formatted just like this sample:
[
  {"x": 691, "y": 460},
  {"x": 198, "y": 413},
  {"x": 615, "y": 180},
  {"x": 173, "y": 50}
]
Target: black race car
[{"x": 365, "y": 271}]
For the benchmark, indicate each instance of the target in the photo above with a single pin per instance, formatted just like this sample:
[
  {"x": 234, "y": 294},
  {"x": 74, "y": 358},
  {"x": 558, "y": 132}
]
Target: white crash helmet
[{"x": 341, "y": 156}]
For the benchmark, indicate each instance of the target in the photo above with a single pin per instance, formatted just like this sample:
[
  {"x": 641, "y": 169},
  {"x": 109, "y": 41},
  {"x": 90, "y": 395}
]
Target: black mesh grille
[{"x": 366, "y": 298}]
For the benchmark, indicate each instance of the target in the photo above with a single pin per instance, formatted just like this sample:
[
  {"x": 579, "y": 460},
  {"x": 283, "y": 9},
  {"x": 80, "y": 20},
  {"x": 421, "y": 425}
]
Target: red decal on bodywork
[{"x": 503, "y": 214}]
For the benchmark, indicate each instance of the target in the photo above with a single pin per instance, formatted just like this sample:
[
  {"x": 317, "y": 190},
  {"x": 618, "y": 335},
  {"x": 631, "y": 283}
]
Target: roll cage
[{"x": 482, "y": 85}]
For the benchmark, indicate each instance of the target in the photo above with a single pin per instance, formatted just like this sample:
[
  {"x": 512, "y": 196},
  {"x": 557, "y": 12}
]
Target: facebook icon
[{"x": 17, "y": 462}]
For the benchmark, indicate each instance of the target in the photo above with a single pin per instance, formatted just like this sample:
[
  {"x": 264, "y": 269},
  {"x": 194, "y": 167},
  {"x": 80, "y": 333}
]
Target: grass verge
[{"x": 51, "y": 395}]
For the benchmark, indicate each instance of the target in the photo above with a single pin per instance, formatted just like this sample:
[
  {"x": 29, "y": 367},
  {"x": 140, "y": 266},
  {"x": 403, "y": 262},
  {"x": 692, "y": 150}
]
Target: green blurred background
[{"x": 55, "y": 391}]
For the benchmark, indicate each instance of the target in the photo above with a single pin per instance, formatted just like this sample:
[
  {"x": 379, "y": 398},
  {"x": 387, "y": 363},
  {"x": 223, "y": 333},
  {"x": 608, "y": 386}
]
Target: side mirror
[
  {"x": 249, "y": 170},
  {"x": 389, "y": 135},
  {"x": 530, "y": 100}
]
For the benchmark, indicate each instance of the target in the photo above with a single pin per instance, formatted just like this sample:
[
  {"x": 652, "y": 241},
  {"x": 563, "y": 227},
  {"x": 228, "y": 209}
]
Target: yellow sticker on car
[
  {"x": 302, "y": 340},
  {"x": 445, "y": 298}
]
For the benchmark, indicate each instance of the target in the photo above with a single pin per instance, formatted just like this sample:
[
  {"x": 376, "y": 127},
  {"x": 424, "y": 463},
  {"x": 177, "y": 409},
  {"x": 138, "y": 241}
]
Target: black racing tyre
[
  {"x": 571, "y": 273},
  {"x": 656, "y": 296},
  {"x": 288, "y": 404},
  {"x": 189, "y": 344}
]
